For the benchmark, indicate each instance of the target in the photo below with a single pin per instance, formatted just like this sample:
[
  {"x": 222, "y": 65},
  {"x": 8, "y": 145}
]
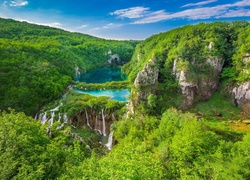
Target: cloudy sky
[{"x": 123, "y": 19}]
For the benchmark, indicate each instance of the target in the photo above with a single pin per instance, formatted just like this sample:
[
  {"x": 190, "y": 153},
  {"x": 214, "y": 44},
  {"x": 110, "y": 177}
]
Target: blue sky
[{"x": 123, "y": 19}]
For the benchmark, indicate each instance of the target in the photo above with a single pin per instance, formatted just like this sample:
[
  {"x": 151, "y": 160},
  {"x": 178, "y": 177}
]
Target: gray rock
[{"x": 199, "y": 87}]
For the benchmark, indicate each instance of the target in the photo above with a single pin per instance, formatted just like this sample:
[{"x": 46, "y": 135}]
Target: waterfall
[
  {"x": 87, "y": 119},
  {"x": 36, "y": 116},
  {"x": 97, "y": 125},
  {"x": 43, "y": 119},
  {"x": 110, "y": 140},
  {"x": 65, "y": 118},
  {"x": 59, "y": 117},
  {"x": 52, "y": 118},
  {"x": 103, "y": 124},
  {"x": 96, "y": 122},
  {"x": 113, "y": 117}
]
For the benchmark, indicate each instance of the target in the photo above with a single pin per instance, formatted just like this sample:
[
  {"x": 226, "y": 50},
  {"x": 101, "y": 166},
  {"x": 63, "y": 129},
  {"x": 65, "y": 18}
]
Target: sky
[{"x": 123, "y": 19}]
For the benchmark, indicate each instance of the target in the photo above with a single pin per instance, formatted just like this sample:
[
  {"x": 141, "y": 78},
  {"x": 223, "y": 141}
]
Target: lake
[
  {"x": 104, "y": 75},
  {"x": 114, "y": 94}
]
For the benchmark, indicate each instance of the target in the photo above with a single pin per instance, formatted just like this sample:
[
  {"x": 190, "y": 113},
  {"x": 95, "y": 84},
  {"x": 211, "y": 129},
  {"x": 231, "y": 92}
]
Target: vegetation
[
  {"x": 175, "y": 147},
  {"x": 107, "y": 85},
  {"x": 37, "y": 63},
  {"x": 27, "y": 152},
  {"x": 217, "y": 107},
  {"x": 157, "y": 142},
  {"x": 75, "y": 104},
  {"x": 191, "y": 46}
]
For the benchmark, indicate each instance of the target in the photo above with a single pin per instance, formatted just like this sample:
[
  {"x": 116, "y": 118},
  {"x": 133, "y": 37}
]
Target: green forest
[
  {"x": 37, "y": 63},
  {"x": 153, "y": 137}
]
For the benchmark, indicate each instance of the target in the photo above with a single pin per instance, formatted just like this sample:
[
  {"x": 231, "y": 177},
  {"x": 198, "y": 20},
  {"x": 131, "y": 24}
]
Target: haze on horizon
[{"x": 123, "y": 19}]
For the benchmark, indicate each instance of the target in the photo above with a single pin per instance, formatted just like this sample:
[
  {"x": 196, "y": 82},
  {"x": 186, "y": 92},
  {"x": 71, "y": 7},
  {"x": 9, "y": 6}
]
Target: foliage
[
  {"x": 37, "y": 63},
  {"x": 217, "y": 107},
  {"x": 75, "y": 104},
  {"x": 176, "y": 147},
  {"x": 107, "y": 85},
  {"x": 28, "y": 153},
  {"x": 173, "y": 145},
  {"x": 188, "y": 49}
]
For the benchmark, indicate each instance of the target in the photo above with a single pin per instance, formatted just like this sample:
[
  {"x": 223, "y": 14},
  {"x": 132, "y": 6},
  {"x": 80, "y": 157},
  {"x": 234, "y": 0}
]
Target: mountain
[
  {"x": 37, "y": 62},
  {"x": 186, "y": 119},
  {"x": 185, "y": 66}
]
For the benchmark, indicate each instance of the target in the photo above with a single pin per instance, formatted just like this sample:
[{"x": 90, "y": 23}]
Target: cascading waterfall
[
  {"x": 44, "y": 118},
  {"x": 36, "y": 116},
  {"x": 65, "y": 118},
  {"x": 97, "y": 125},
  {"x": 52, "y": 118},
  {"x": 87, "y": 119},
  {"x": 59, "y": 117},
  {"x": 103, "y": 124},
  {"x": 96, "y": 122},
  {"x": 110, "y": 141}
]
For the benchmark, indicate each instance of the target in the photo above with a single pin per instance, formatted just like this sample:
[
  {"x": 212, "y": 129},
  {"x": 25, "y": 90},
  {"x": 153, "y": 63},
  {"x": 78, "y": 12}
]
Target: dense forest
[
  {"x": 154, "y": 136},
  {"x": 191, "y": 51},
  {"x": 37, "y": 63}
]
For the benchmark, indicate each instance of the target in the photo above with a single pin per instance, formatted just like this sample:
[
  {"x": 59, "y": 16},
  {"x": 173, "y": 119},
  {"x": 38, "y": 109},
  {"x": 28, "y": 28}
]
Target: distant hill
[{"x": 38, "y": 62}]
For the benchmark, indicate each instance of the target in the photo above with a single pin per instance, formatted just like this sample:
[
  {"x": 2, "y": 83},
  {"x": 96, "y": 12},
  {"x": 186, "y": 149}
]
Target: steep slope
[
  {"x": 182, "y": 67},
  {"x": 37, "y": 62}
]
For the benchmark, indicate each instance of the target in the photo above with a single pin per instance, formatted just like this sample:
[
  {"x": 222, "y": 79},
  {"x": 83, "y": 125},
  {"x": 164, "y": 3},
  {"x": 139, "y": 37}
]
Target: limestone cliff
[
  {"x": 241, "y": 95},
  {"x": 99, "y": 121},
  {"x": 146, "y": 80},
  {"x": 194, "y": 84},
  {"x": 241, "y": 92}
]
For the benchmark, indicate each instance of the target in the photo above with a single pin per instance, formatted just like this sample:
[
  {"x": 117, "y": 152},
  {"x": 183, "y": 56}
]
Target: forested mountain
[
  {"x": 186, "y": 117},
  {"x": 37, "y": 63},
  {"x": 191, "y": 63}
]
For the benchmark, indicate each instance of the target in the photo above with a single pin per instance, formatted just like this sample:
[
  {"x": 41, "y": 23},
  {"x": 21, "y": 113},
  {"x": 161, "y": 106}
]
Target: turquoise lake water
[
  {"x": 114, "y": 94},
  {"x": 101, "y": 76}
]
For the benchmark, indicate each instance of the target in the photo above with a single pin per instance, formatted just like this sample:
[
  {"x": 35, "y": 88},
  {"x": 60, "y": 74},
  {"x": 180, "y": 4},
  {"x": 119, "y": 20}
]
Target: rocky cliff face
[
  {"x": 241, "y": 95},
  {"x": 146, "y": 80},
  {"x": 241, "y": 92},
  {"x": 99, "y": 121},
  {"x": 197, "y": 84}
]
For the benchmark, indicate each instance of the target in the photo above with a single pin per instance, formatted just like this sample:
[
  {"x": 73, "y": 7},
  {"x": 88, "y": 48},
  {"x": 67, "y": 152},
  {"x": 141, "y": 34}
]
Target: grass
[
  {"x": 219, "y": 108},
  {"x": 107, "y": 85}
]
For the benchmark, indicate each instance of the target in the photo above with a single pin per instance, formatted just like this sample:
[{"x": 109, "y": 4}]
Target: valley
[{"x": 173, "y": 106}]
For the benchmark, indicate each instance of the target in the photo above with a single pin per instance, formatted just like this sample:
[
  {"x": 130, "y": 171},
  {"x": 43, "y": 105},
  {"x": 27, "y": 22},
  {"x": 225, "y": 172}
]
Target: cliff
[{"x": 183, "y": 67}]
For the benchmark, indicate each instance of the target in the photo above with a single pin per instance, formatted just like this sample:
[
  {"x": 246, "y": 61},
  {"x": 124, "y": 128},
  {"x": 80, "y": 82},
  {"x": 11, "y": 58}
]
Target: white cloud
[
  {"x": 82, "y": 26},
  {"x": 18, "y": 3},
  {"x": 131, "y": 13},
  {"x": 108, "y": 26},
  {"x": 145, "y": 16},
  {"x": 236, "y": 13},
  {"x": 112, "y": 25},
  {"x": 53, "y": 24},
  {"x": 199, "y": 3}
]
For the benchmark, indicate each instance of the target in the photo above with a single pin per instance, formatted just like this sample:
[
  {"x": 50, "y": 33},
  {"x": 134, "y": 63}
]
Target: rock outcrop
[
  {"x": 146, "y": 80},
  {"x": 241, "y": 95},
  {"x": 114, "y": 59},
  {"x": 99, "y": 121},
  {"x": 241, "y": 92},
  {"x": 197, "y": 86}
]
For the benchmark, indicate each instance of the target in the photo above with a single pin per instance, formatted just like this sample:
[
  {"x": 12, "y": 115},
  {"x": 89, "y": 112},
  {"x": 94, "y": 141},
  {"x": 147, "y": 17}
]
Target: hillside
[
  {"x": 37, "y": 63},
  {"x": 185, "y": 66},
  {"x": 190, "y": 90}
]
